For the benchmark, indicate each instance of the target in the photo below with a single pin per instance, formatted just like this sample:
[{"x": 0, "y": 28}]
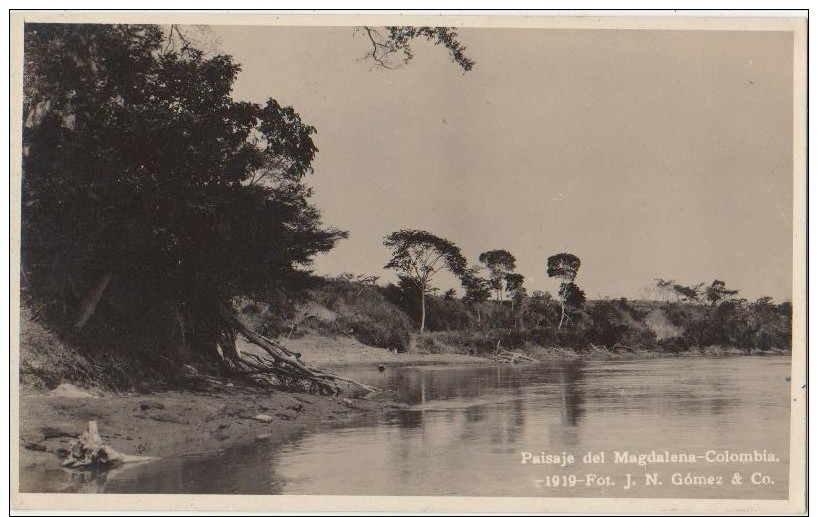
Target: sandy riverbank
[
  {"x": 171, "y": 423},
  {"x": 340, "y": 352},
  {"x": 175, "y": 423}
]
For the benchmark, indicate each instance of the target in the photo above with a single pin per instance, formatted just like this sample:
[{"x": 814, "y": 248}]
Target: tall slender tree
[
  {"x": 565, "y": 267},
  {"x": 418, "y": 256}
]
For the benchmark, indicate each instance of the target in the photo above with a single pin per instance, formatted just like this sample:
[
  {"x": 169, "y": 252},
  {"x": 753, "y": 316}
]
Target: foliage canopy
[
  {"x": 499, "y": 263},
  {"x": 140, "y": 166}
]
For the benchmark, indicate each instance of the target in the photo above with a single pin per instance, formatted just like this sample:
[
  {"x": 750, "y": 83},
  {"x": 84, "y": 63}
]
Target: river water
[{"x": 479, "y": 431}]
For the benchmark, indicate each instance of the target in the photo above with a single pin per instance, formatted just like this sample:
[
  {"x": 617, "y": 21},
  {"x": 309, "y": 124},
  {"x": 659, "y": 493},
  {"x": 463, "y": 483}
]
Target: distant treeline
[
  {"x": 385, "y": 316},
  {"x": 690, "y": 317}
]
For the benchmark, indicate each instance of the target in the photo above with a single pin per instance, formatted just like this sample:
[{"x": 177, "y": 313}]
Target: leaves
[
  {"x": 690, "y": 294},
  {"x": 573, "y": 296},
  {"x": 418, "y": 255},
  {"x": 564, "y": 266},
  {"x": 394, "y": 49},
  {"x": 499, "y": 263},
  {"x": 136, "y": 157},
  {"x": 717, "y": 292},
  {"x": 478, "y": 289}
]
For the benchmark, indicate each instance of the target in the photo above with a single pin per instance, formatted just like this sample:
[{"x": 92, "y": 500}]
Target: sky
[{"x": 648, "y": 154}]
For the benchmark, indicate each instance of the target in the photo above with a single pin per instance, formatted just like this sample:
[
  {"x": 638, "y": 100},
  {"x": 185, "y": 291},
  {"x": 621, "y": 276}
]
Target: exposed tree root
[{"x": 280, "y": 366}]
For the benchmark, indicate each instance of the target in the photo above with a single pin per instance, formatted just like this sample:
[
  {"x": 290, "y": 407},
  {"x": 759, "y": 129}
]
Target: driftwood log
[
  {"x": 278, "y": 365},
  {"x": 89, "y": 451}
]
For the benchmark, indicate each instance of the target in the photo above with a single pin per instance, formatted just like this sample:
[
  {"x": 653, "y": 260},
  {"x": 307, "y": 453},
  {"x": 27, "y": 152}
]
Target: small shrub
[{"x": 377, "y": 333}]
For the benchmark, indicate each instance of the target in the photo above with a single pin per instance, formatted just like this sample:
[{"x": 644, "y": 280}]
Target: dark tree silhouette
[{"x": 140, "y": 171}]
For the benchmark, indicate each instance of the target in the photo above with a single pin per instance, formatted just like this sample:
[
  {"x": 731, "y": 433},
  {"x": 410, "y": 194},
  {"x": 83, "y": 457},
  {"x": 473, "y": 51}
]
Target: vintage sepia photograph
[{"x": 377, "y": 262}]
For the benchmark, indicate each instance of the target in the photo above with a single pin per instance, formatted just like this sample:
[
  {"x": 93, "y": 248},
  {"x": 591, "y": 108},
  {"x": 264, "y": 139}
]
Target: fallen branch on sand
[
  {"x": 602, "y": 349},
  {"x": 501, "y": 355},
  {"x": 89, "y": 451},
  {"x": 623, "y": 347},
  {"x": 280, "y": 366}
]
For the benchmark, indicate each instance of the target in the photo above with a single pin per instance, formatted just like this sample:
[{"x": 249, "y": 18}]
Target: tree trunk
[
  {"x": 422, "y": 310},
  {"x": 562, "y": 317},
  {"x": 92, "y": 298}
]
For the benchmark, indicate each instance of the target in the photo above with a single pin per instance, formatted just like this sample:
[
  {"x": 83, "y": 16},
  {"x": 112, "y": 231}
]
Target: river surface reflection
[{"x": 467, "y": 428}]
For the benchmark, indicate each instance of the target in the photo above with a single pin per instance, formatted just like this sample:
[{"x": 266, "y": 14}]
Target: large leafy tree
[
  {"x": 499, "y": 264},
  {"x": 140, "y": 170},
  {"x": 565, "y": 267},
  {"x": 418, "y": 256}
]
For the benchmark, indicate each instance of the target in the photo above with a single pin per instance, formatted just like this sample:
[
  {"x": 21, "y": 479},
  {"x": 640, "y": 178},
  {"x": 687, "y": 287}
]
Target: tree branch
[{"x": 375, "y": 47}]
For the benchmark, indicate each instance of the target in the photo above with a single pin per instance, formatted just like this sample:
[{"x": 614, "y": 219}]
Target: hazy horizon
[{"x": 645, "y": 153}]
